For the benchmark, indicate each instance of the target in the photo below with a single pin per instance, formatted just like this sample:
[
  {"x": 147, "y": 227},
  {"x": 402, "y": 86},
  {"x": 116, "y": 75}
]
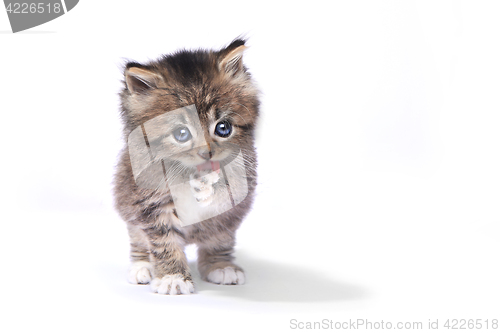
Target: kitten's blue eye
[
  {"x": 223, "y": 129},
  {"x": 182, "y": 134}
]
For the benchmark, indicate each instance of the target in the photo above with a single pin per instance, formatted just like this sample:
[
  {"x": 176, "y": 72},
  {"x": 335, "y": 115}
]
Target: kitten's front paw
[
  {"x": 202, "y": 187},
  {"x": 228, "y": 275},
  {"x": 172, "y": 285},
  {"x": 140, "y": 272}
]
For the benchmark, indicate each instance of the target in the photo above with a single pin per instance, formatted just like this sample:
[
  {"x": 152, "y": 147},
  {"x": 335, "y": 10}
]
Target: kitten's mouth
[{"x": 209, "y": 166}]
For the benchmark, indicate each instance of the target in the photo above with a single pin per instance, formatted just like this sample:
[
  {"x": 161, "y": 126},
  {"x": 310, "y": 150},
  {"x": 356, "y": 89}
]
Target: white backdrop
[{"x": 378, "y": 158}]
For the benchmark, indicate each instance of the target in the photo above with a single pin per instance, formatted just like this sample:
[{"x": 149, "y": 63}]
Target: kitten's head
[{"x": 199, "y": 106}]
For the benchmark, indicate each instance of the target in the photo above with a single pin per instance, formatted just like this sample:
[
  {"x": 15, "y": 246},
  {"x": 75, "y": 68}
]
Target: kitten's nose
[{"x": 205, "y": 154}]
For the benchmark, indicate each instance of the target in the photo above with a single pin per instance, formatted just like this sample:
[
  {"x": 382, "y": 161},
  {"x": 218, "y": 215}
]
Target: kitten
[{"x": 187, "y": 173}]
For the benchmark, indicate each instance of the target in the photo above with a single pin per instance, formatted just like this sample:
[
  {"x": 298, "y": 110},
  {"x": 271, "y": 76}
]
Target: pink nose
[{"x": 205, "y": 154}]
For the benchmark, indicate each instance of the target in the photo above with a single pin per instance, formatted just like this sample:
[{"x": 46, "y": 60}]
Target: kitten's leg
[
  {"x": 140, "y": 268},
  {"x": 171, "y": 271},
  {"x": 216, "y": 266}
]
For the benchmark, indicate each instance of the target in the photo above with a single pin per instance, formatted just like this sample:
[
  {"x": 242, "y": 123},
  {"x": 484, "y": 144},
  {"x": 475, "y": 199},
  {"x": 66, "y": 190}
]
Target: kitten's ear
[
  {"x": 231, "y": 57},
  {"x": 141, "y": 80}
]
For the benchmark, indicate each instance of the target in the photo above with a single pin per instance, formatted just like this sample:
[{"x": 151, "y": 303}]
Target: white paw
[
  {"x": 202, "y": 187},
  {"x": 172, "y": 285},
  {"x": 140, "y": 272},
  {"x": 228, "y": 275}
]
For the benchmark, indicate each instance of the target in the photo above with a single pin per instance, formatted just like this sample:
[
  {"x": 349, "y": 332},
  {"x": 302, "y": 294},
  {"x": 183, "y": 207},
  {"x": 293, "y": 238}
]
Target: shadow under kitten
[{"x": 269, "y": 281}]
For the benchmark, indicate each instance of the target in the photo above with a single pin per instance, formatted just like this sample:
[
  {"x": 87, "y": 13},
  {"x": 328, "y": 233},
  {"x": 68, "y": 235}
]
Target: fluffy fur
[{"x": 220, "y": 87}]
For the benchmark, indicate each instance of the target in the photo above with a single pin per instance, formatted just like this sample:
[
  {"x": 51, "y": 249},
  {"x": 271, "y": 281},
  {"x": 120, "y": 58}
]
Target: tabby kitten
[{"x": 188, "y": 169}]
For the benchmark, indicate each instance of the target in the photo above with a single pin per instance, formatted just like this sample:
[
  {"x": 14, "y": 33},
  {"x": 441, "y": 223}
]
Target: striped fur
[{"x": 220, "y": 87}]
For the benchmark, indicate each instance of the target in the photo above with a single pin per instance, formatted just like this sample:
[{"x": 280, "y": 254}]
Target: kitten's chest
[{"x": 195, "y": 201}]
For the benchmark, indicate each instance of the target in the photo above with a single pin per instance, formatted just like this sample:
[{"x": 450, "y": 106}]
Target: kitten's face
[
  {"x": 197, "y": 110},
  {"x": 193, "y": 141},
  {"x": 197, "y": 142}
]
